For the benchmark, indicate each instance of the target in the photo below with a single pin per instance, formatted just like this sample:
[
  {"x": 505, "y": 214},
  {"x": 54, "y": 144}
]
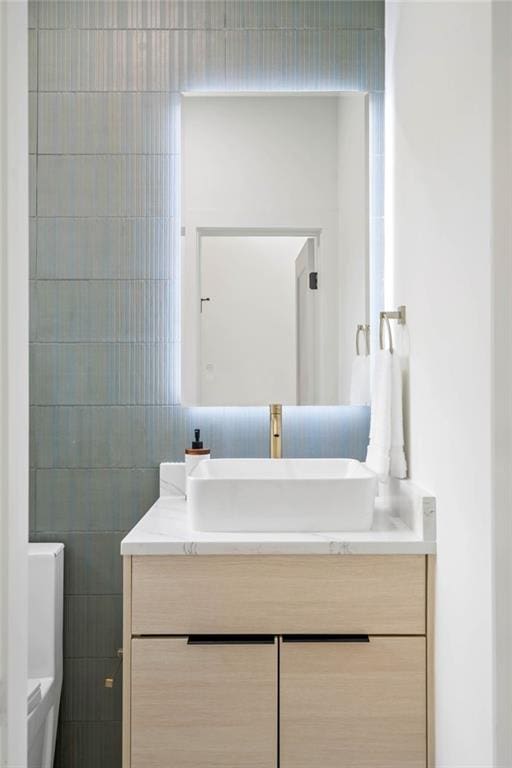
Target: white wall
[
  {"x": 271, "y": 161},
  {"x": 439, "y": 259},
  {"x": 13, "y": 381}
]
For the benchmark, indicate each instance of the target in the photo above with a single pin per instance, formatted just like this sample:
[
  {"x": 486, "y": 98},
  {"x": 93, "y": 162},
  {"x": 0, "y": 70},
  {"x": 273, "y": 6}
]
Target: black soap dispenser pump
[
  {"x": 195, "y": 454},
  {"x": 197, "y": 443}
]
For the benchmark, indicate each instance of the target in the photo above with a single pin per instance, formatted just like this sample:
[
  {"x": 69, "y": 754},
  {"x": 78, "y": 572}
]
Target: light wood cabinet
[
  {"x": 377, "y": 594},
  {"x": 353, "y": 703},
  {"x": 195, "y": 698},
  {"x": 204, "y": 704}
]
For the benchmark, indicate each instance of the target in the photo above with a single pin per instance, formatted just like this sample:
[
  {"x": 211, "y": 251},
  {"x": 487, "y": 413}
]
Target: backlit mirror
[{"x": 274, "y": 246}]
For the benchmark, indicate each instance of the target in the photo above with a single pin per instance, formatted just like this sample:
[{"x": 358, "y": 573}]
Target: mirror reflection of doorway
[{"x": 256, "y": 292}]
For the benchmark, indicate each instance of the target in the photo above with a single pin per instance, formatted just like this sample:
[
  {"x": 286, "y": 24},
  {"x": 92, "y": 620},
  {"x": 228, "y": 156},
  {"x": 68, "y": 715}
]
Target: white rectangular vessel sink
[{"x": 281, "y": 495}]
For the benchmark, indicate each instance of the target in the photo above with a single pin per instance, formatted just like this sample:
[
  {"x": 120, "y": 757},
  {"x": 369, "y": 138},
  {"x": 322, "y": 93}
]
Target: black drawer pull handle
[
  {"x": 231, "y": 640},
  {"x": 326, "y": 639}
]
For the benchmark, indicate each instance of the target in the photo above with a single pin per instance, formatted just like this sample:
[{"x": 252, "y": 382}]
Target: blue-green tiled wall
[{"x": 105, "y": 78}]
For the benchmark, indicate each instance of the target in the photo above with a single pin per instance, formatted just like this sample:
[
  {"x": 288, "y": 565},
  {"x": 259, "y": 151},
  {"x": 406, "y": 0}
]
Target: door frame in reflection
[{"x": 307, "y": 346}]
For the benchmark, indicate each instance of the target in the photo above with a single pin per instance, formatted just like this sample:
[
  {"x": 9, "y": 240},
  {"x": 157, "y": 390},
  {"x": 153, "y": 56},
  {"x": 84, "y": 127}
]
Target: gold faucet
[{"x": 276, "y": 428}]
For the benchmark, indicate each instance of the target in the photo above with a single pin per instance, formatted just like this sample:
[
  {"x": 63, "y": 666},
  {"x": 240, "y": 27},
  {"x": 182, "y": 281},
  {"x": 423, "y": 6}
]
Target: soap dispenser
[{"x": 195, "y": 454}]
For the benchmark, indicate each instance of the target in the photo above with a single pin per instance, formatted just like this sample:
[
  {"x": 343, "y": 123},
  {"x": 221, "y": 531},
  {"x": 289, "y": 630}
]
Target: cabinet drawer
[
  {"x": 203, "y": 705},
  {"x": 360, "y": 705},
  {"x": 351, "y": 594}
]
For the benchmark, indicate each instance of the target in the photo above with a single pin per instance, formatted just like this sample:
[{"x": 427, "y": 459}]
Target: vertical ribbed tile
[
  {"x": 32, "y": 444},
  {"x": 32, "y": 185},
  {"x": 88, "y": 745},
  {"x": 32, "y": 122},
  {"x": 251, "y": 14},
  {"x": 33, "y": 284},
  {"x": 105, "y": 60},
  {"x": 92, "y": 564},
  {"x": 302, "y": 60},
  {"x": 330, "y": 431},
  {"x": 84, "y": 696},
  {"x": 112, "y": 185},
  {"x": 85, "y": 14},
  {"x": 326, "y": 432},
  {"x": 141, "y": 436},
  {"x": 241, "y": 432},
  {"x": 108, "y": 123},
  {"x": 32, "y": 246},
  {"x": 270, "y": 59},
  {"x": 33, "y": 13},
  {"x": 107, "y": 248},
  {"x": 104, "y": 374},
  {"x": 374, "y": 54},
  {"x": 202, "y": 60},
  {"x": 32, "y": 499},
  {"x": 32, "y": 59},
  {"x": 376, "y": 121},
  {"x": 341, "y": 14},
  {"x": 92, "y": 625},
  {"x": 127, "y": 60},
  {"x": 355, "y": 432},
  {"x": 88, "y": 500},
  {"x": 306, "y": 14},
  {"x": 132, "y": 14},
  {"x": 105, "y": 310},
  {"x": 109, "y": 436},
  {"x": 198, "y": 14}
]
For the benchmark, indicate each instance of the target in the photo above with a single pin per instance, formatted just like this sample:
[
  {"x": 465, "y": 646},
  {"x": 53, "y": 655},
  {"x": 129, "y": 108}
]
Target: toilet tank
[{"x": 45, "y": 610}]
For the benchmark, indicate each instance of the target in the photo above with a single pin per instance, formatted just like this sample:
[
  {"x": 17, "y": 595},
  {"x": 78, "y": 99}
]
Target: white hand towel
[
  {"x": 397, "y": 462},
  {"x": 360, "y": 381},
  {"x": 386, "y": 449},
  {"x": 377, "y": 456}
]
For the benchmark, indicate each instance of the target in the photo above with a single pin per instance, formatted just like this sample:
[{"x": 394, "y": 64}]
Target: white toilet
[{"x": 45, "y": 606}]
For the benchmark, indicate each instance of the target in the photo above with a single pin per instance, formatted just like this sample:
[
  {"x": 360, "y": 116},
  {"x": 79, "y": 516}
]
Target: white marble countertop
[{"x": 404, "y": 523}]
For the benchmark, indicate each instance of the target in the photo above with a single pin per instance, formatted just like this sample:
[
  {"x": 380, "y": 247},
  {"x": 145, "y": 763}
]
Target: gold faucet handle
[{"x": 276, "y": 427}]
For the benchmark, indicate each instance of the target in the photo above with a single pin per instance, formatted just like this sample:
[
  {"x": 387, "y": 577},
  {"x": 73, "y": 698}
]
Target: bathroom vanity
[
  {"x": 246, "y": 643},
  {"x": 256, "y": 650}
]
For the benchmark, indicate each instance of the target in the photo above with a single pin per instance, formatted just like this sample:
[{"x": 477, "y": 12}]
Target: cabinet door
[
  {"x": 204, "y": 703},
  {"x": 353, "y": 704}
]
